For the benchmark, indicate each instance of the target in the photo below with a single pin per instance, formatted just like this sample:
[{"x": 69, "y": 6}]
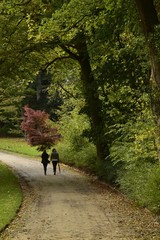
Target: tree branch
[
  {"x": 67, "y": 50},
  {"x": 54, "y": 60},
  {"x": 70, "y": 94}
]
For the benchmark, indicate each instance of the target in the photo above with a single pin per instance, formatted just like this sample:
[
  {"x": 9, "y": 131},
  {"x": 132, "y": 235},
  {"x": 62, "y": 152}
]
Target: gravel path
[{"x": 73, "y": 206}]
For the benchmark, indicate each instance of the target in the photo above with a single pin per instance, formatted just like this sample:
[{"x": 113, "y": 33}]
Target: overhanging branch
[
  {"x": 70, "y": 94},
  {"x": 53, "y": 61}
]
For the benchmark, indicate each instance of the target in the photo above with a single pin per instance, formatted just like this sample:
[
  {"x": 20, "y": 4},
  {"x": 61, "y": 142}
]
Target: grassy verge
[
  {"x": 10, "y": 195},
  {"x": 10, "y": 190},
  {"x": 18, "y": 145}
]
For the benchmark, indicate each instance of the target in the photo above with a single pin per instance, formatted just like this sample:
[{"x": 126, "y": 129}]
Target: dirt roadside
[{"x": 72, "y": 206}]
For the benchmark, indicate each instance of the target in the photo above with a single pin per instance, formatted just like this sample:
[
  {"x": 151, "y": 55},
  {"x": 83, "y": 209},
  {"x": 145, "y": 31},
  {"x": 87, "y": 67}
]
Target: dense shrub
[
  {"x": 138, "y": 167},
  {"x": 75, "y": 149},
  {"x": 142, "y": 184},
  {"x": 84, "y": 158}
]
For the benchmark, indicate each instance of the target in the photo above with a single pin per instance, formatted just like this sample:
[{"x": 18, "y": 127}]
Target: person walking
[
  {"x": 55, "y": 159},
  {"x": 45, "y": 161}
]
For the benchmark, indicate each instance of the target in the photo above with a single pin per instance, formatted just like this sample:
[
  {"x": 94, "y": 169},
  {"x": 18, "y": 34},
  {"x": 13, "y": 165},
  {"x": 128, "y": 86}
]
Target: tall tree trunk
[
  {"x": 92, "y": 98},
  {"x": 149, "y": 19}
]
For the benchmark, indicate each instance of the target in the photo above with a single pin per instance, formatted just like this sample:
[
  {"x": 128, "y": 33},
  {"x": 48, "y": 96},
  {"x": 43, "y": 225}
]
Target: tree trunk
[
  {"x": 92, "y": 98},
  {"x": 149, "y": 19}
]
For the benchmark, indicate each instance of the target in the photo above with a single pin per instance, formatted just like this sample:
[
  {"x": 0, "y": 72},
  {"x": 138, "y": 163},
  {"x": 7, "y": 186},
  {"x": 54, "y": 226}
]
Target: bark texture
[{"x": 92, "y": 98}]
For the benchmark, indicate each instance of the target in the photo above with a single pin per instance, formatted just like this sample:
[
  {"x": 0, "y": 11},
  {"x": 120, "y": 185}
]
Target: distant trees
[
  {"x": 36, "y": 94},
  {"x": 38, "y": 129}
]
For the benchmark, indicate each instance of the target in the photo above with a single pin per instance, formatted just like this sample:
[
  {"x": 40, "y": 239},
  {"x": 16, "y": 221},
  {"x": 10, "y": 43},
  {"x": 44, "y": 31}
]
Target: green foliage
[
  {"x": 74, "y": 148},
  {"x": 72, "y": 126},
  {"x": 141, "y": 183},
  {"x": 16, "y": 63},
  {"x": 10, "y": 104},
  {"x": 83, "y": 159},
  {"x": 11, "y": 196},
  {"x": 135, "y": 140},
  {"x": 105, "y": 171},
  {"x": 134, "y": 155},
  {"x": 152, "y": 191}
]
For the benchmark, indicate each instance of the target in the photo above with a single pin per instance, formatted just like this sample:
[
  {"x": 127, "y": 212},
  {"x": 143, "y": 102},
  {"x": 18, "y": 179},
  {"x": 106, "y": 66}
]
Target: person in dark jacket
[
  {"x": 45, "y": 161},
  {"x": 55, "y": 159}
]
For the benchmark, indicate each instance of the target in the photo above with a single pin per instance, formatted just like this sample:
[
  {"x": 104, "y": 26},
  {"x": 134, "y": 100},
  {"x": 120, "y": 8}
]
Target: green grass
[
  {"x": 18, "y": 145},
  {"x": 10, "y": 190},
  {"x": 10, "y": 195}
]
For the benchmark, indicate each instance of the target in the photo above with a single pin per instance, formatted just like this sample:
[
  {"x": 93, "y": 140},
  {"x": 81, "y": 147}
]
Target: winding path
[{"x": 73, "y": 206}]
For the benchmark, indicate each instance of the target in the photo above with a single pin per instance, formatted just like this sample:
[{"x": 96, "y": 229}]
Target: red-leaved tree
[{"x": 37, "y": 129}]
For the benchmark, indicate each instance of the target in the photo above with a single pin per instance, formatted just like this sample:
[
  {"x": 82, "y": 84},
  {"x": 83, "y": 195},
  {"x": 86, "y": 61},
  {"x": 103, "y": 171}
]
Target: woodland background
[{"x": 94, "y": 67}]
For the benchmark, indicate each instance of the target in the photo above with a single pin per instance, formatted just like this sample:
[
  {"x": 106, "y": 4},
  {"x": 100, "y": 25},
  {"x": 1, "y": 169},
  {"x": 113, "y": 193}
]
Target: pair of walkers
[{"x": 54, "y": 158}]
